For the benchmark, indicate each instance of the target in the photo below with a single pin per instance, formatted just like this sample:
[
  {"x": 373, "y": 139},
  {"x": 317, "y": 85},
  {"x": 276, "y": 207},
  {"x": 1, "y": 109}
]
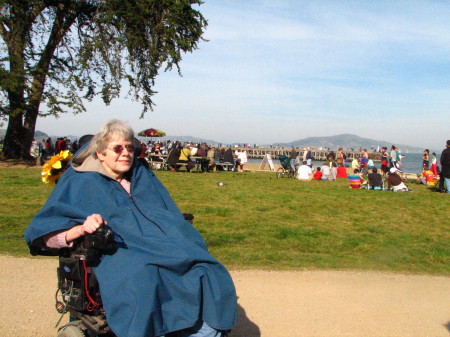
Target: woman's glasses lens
[{"x": 119, "y": 148}]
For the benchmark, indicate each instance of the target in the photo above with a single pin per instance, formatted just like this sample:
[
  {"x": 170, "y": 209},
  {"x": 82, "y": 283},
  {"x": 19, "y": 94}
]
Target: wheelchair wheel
[
  {"x": 280, "y": 172},
  {"x": 291, "y": 174},
  {"x": 70, "y": 331}
]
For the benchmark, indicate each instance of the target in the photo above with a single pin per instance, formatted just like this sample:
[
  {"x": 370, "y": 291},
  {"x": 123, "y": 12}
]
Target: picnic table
[
  {"x": 227, "y": 166},
  {"x": 159, "y": 162}
]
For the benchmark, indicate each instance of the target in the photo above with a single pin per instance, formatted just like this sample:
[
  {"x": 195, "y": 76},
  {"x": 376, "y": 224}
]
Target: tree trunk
[
  {"x": 23, "y": 116},
  {"x": 21, "y": 127},
  {"x": 15, "y": 145}
]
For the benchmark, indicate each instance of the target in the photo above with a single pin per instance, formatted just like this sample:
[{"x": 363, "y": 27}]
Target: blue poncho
[{"x": 162, "y": 278}]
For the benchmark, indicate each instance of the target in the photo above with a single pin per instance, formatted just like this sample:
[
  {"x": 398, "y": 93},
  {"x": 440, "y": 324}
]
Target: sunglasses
[{"x": 119, "y": 148}]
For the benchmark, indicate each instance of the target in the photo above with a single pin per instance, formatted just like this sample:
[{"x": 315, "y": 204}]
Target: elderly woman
[{"x": 161, "y": 278}]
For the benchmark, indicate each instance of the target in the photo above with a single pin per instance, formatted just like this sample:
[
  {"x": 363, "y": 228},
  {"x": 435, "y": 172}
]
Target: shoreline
[{"x": 250, "y": 167}]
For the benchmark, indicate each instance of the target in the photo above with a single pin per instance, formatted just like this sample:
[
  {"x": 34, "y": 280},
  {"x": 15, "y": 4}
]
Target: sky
[{"x": 278, "y": 71}]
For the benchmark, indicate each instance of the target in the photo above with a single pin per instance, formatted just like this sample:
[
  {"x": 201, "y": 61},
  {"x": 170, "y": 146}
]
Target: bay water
[{"x": 411, "y": 163}]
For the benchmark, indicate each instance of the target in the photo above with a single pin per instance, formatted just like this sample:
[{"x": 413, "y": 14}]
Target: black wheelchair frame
[
  {"x": 78, "y": 287},
  {"x": 78, "y": 291}
]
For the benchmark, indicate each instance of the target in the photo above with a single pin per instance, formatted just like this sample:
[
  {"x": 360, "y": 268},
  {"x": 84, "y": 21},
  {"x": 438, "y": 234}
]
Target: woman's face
[{"x": 117, "y": 159}]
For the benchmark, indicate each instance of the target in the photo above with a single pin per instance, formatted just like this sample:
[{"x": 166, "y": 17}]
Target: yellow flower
[
  {"x": 55, "y": 167},
  {"x": 65, "y": 155}
]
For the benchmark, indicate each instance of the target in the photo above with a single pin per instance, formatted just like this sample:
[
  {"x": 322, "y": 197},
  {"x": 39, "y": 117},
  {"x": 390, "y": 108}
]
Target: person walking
[
  {"x": 393, "y": 157},
  {"x": 292, "y": 156},
  {"x": 340, "y": 156},
  {"x": 308, "y": 157},
  {"x": 384, "y": 160},
  {"x": 425, "y": 160},
  {"x": 445, "y": 168}
]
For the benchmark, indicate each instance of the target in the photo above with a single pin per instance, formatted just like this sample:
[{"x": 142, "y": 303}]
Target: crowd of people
[
  {"x": 388, "y": 176},
  {"x": 46, "y": 148},
  {"x": 209, "y": 157},
  {"x": 432, "y": 174}
]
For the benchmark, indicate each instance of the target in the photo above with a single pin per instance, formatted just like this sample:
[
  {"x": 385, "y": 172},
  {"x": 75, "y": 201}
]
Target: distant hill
[
  {"x": 182, "y": 139},
  {"x": 347, "y": 141},
  {"x": 40, "y": 135},
  {"x": 37, "y": 134}
]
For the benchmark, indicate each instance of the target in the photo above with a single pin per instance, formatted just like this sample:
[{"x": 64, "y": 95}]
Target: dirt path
[{"x": 271, "y": 304}]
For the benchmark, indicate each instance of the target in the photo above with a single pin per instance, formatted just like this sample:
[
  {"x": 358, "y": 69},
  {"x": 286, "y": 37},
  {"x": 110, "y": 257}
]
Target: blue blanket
[{"x": 162, "y": 278}]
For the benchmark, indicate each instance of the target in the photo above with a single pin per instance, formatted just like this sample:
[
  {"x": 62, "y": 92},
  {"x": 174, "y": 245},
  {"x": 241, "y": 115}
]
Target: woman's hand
[{"x": 90, "y": 225}]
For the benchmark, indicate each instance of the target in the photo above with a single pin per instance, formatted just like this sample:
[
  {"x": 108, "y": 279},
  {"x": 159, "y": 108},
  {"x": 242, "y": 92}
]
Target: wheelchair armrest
[{"x": 188, "y": 217}]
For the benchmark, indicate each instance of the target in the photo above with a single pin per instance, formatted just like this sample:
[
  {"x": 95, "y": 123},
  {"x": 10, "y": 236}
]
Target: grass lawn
[{"x": 259, "y": 221}]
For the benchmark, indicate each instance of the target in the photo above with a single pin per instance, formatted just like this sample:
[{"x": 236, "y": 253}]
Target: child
[
  {"x": 355, "y": 180},
  {"x": 434, "y": 167},
  {"x": 318, "y": 174},
  {"x": 428, "y": 178},
  {"x": 341, "y": 171}
]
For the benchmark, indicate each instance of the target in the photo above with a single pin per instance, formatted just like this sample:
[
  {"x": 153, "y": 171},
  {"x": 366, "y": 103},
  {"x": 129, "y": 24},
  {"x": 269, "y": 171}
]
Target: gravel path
[{"x": 271, "y": 303}]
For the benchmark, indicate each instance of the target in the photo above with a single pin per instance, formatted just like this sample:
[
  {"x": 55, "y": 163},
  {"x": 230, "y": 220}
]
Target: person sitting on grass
[
  {"x": 304, "y": 172},
  {"x": 355, "y": 180},
  {"x": 428, "y": 178},
  {"x": 325, "y": 171},
  {"x": 341, "y": 171},
  {"x": 395, "y": 181},
  {"x": 375, "y": 180},
  {"x": 318, "y": 174},
  {"x": 333, "y": 172}
]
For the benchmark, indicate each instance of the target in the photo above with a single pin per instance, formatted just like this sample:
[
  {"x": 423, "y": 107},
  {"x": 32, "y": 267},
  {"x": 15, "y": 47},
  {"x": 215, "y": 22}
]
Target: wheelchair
[
  {"x": 78, "y": 290},
  {"x": 285, "y": 170}
]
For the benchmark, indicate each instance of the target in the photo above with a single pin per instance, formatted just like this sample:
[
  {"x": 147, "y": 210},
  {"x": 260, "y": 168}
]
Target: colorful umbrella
[{"x": 151, "y": 133}]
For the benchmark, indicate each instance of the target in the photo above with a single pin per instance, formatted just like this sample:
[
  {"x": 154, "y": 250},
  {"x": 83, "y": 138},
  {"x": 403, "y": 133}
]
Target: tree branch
[
  {"x": 61, "y": 24},
  {"x": 4, "y": 32}
]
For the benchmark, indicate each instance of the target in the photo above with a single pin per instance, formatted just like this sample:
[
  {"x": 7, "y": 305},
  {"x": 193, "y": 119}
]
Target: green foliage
[
  {"x": 100, "y": 44},
  {"x": 61, "y": 52},
  {"x": 258, "y": 221}
]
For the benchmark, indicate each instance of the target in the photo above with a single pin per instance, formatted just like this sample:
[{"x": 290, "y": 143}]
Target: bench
[{"x": 226, "y": 166}]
